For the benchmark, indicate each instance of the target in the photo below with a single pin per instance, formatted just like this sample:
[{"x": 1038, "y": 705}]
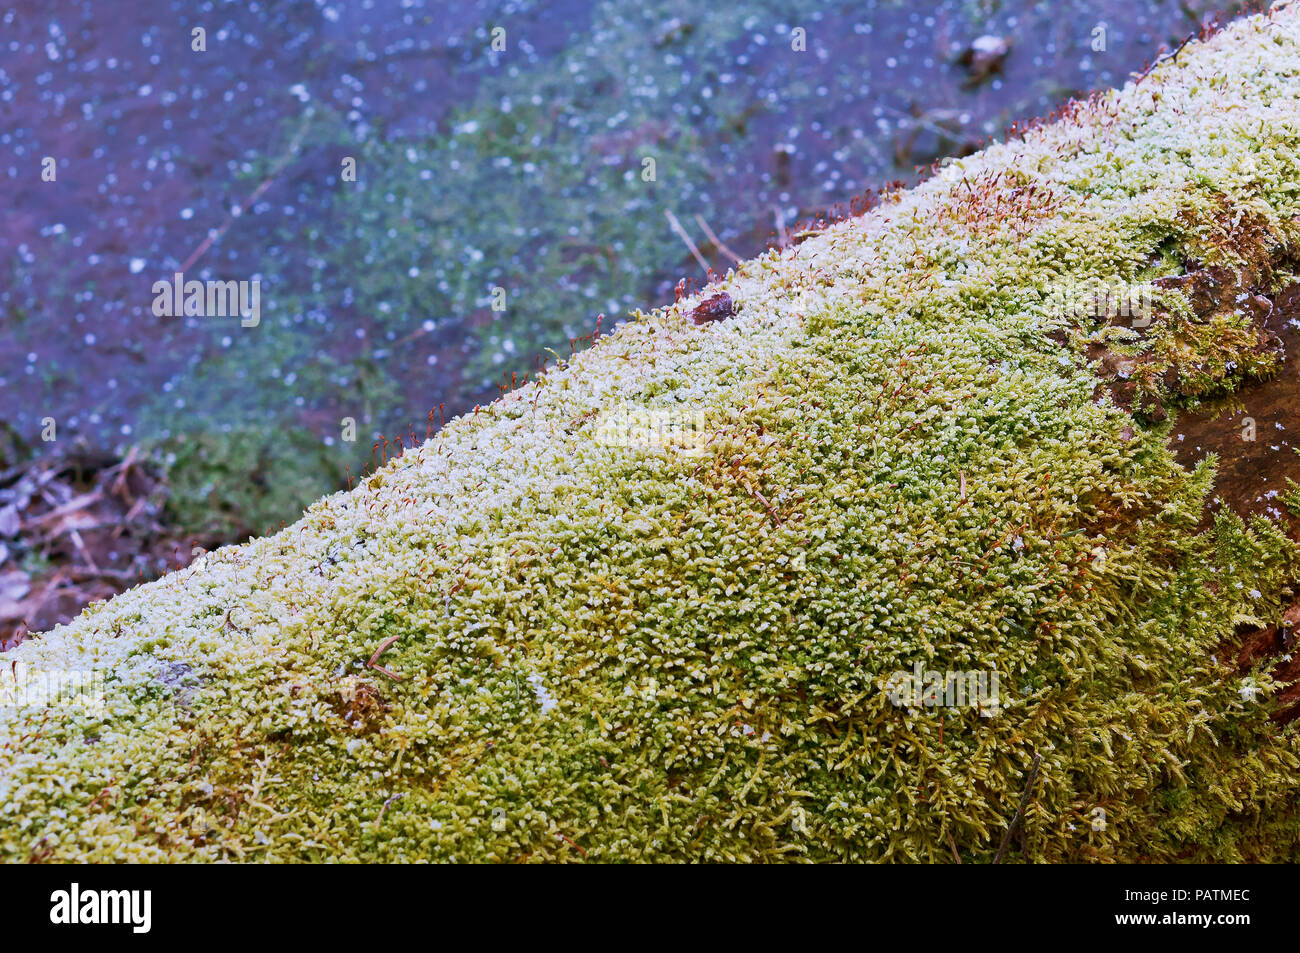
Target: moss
[
  {"x": 531, "y": 639},
  {"x": 235, "y": 483},
  {"x": 13, "y": 449}
]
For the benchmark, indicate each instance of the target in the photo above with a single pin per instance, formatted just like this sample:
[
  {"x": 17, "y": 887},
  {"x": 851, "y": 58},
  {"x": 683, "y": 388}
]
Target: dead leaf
[
  {"x": 14, "y": 585},
  {"x": 10, "y": 523}
]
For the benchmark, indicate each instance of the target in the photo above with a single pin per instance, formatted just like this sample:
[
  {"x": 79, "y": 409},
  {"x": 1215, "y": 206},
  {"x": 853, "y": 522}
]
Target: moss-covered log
[{"x": 653, "y": 605}]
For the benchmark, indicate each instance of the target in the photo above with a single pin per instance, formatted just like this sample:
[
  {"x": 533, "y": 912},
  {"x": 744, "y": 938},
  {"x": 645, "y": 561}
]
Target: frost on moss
[{"x": 533, "y": 639}]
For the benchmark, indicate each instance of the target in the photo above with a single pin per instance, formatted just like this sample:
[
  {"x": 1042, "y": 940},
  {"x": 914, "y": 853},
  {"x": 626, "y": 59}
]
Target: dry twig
[
  {"x": 717, "y": 242},
  {"x": 681, "y": 233},
  {"x": 1020, "y": 810}
]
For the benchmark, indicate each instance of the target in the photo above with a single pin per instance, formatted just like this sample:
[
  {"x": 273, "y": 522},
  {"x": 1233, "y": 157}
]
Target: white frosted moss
[{"x": 677, "y": 644}]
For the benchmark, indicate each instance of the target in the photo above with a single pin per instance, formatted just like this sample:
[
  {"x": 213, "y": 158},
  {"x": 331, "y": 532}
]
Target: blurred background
[{"x": 521, "y": 154}]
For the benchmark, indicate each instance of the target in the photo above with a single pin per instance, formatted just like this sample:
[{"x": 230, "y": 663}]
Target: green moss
[{"x": 230, "y": 484}]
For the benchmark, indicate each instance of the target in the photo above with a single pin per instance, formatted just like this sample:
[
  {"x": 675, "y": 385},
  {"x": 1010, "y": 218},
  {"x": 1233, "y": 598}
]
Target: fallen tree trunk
[{"x": 884, "y": 560}]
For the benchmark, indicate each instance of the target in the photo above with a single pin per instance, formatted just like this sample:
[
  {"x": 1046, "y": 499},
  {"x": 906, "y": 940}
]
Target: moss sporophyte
[{"x": 649, "y": 606}]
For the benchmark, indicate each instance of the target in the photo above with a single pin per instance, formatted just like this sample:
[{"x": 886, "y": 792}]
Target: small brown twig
[
  {"x": 87, "y": 573},
  {"x": 374, "y": 660},
  {"x": 108, "y": 787},
  {"x": 572, "y": 843},
  {"x": 1173, "y": 54},
  {"x": 681, "y": 233},
  {"x": 782, "y": 233},
  {"x": 80, "y": 543},
  {"x": 72, "y": 506},
  {"x": 279, "y": 167},
  {"x": 1020, "y": 810},
  {"x": 766, "y": 505},
  {"x": 385, "y": 807},
  {"x": 122, "y": 471},
  {"x": 717, "y": 242}
]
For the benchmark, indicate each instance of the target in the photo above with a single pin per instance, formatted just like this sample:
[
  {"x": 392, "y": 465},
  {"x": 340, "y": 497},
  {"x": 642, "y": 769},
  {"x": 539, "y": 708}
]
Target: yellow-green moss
[{"x": 651, "y": 648}]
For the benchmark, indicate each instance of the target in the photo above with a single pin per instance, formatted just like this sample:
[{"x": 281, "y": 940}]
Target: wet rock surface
[
  {"x": 159, "y": 149},
  {"x": 1275, "y": 642},
  {"x": 1252, "y": 432},
  {"x": 1254, "y": 437}
]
